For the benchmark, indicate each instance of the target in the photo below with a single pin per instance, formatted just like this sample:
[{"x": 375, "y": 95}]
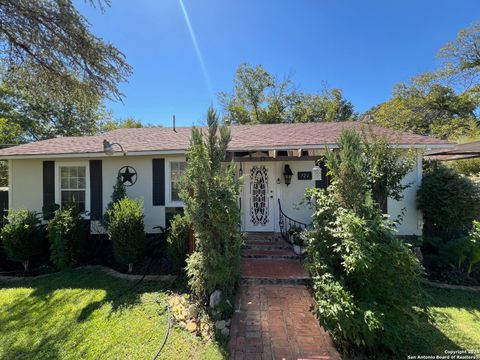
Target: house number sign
[{"x": 304, "y": 175}]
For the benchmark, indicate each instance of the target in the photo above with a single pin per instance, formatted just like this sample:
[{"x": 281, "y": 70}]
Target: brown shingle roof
[{"x": 244, "y": 137}]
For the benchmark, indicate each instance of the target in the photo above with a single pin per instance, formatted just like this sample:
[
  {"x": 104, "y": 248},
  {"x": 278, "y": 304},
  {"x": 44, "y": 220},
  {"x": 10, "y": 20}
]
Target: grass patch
[
  {"x": 454, "y": 324},
  {"x": 90, "y": 315}
]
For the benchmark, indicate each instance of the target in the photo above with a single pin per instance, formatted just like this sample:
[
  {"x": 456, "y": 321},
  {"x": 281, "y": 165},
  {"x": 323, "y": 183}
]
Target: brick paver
[
  {"x": 272, "y": 268},
  {"x": 275, "y": 322},
  {"x": 272, "y": 317}
]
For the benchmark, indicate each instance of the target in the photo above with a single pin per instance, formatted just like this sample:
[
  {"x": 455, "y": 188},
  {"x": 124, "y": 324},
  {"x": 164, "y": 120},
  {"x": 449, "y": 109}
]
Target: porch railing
[{"x": 286, "y": 222}]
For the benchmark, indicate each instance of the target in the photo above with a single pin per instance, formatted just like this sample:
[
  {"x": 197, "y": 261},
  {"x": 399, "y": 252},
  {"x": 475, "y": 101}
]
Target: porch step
[
  {"x": 273, "y": 281},
  {"x": 270, "y": 254},
  {"x": 272, "y": 271},
  {"x": 255, "y": 245},
  {"x": 264, "y": 237}
]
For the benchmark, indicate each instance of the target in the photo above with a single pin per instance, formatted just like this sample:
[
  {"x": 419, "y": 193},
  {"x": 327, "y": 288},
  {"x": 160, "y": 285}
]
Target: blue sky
[{"x": 362, "y": 47}]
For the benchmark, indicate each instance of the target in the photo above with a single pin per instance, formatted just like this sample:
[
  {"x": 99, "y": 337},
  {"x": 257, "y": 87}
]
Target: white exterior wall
[
  {"x": 26, "y": 184},
  {"x": 291, "y": 196},
  {"x": 26, "y": 190},
  {"x": 406, "y": 209}
]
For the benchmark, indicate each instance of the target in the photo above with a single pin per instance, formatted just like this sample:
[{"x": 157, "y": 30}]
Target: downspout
[{"x": 10, "y": 184}]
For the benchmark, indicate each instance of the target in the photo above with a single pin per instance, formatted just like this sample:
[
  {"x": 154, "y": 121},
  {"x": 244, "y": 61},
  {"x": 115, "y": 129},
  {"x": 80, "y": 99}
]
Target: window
[
  {"x": 177, "y": 169},
  {"x": 73, "y": 186}
]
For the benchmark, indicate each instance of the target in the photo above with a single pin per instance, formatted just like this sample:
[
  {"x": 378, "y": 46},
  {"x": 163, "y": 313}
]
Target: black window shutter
[
  {"x": 158, "y": 181},
  {"x": 48, "y": 188},
  {"x": 96, "y": 189}
]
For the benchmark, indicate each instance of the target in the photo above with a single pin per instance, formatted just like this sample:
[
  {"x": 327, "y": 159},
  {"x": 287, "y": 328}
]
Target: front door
[{"x": 259, "y": 202}]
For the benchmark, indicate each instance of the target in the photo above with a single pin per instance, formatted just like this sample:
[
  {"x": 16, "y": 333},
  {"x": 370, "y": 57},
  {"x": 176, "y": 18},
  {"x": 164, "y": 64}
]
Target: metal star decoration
[{"x": 128, "y": 175}]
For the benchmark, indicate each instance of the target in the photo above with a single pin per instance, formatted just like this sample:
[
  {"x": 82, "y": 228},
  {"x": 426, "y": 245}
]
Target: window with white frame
[
  {"x": 177, "y": 168},
  {"x": 73, "y": 186}
]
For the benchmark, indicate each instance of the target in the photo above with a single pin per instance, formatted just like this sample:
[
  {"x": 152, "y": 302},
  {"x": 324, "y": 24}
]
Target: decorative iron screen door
[{"x": 260, "y": 199}]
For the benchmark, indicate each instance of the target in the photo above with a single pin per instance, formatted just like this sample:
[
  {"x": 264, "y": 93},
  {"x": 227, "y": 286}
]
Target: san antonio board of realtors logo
[{"x": 128, "y": 175}]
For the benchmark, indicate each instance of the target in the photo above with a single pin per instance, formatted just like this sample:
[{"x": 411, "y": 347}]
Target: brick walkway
[{"x": 274, "y": 321}]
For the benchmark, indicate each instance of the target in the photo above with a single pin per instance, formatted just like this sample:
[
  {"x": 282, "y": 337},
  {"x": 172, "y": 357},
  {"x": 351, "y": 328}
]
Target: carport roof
[{"x": 460, "y": 151}]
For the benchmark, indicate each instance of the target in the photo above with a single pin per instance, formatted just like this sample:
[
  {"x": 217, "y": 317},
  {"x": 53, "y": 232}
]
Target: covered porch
[{"x": 274, "y": 184}]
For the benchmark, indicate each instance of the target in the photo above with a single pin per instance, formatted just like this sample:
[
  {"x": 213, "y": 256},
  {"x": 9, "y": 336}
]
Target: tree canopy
[
  {"x": 126, "y": 123},
  {"x": 461, "y": 59},
  {"x": 434, "y": 110},
  {"x": 52, "y": 37},
  {"x": 445, "y": 102},
  {"x": 55, "y": 73},
  {"x": 27, "y": 116},
  {"x": 259, "y": 97}
]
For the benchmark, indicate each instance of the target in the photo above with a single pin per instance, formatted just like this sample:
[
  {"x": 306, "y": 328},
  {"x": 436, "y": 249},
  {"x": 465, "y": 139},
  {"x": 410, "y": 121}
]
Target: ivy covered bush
[
  {"x": 127, "y": 231},
  {"x": 22, "y": 236},
  {"x": 449, "y": 201},
  {"x": 67, "y": 236},
  {"x": 177, "y": 240},
  {"x": 210, "y": 194},
  {"x": 365, "y": 280}
]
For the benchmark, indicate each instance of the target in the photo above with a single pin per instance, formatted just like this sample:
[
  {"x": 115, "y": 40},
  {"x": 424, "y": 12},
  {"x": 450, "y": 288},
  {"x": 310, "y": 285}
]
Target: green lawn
[
  {"x": 455, "y": 325},
  {"x": 81, "y": 315},
  {"x": 87, "y": 314}
]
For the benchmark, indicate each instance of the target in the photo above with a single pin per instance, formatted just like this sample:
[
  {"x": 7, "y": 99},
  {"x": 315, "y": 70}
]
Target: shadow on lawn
[
  {"x": 120, "y": 294},
  {"x": 33, "y": 352},
  {"x": 36, "y": 312},
  {"x": 425, "y": 338}
]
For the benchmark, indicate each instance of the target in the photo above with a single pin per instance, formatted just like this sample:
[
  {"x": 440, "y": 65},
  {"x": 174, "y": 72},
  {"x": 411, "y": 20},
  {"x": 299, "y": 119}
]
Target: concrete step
[
  {"x": 272, "y": 271},
  {"x": 261, "y": 236},
  {"x": 273, "y": 281},
  {"x": 255, "y": 245},
  {"x": 270, "y": 254}
]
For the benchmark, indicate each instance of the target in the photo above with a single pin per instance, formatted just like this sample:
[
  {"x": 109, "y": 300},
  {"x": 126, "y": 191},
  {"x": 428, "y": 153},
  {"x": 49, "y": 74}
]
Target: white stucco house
[{"x": 84, "y": 169}]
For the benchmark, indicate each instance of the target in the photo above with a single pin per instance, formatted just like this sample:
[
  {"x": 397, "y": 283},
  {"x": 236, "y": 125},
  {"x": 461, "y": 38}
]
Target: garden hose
[
  {"x": 128, "y": 290},
  {"x": 167, "y": 333},
  {"x": 170, "y": 318}
]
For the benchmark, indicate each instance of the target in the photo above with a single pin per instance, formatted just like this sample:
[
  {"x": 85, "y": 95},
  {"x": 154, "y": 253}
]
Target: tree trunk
[
  {"x": 25, "y": 265},
  {"x": 130, "y": 268}
]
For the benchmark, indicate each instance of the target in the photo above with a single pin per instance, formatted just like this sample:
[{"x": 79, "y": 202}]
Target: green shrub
[
  {"x": 455, "y": 260},
  {"x": 177, "y": 240},
  {"x": 213, "y": 211},
  {"x": 22, "y": 236},
  {"x": 67, "y": 236},
  {"x": 474, "y": 256},
  {"x": 365, "y": 280},
  {"x": 469, "y": 167},
  {"x": 127, "y": 231},
  {"x": 449, "y": 201},
  {"x": 119, "y": 192}
]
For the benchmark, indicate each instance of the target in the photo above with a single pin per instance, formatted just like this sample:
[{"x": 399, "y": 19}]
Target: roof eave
[
  {"x": 101, "y": 154},
  {"x": 335, "y": 146}
]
